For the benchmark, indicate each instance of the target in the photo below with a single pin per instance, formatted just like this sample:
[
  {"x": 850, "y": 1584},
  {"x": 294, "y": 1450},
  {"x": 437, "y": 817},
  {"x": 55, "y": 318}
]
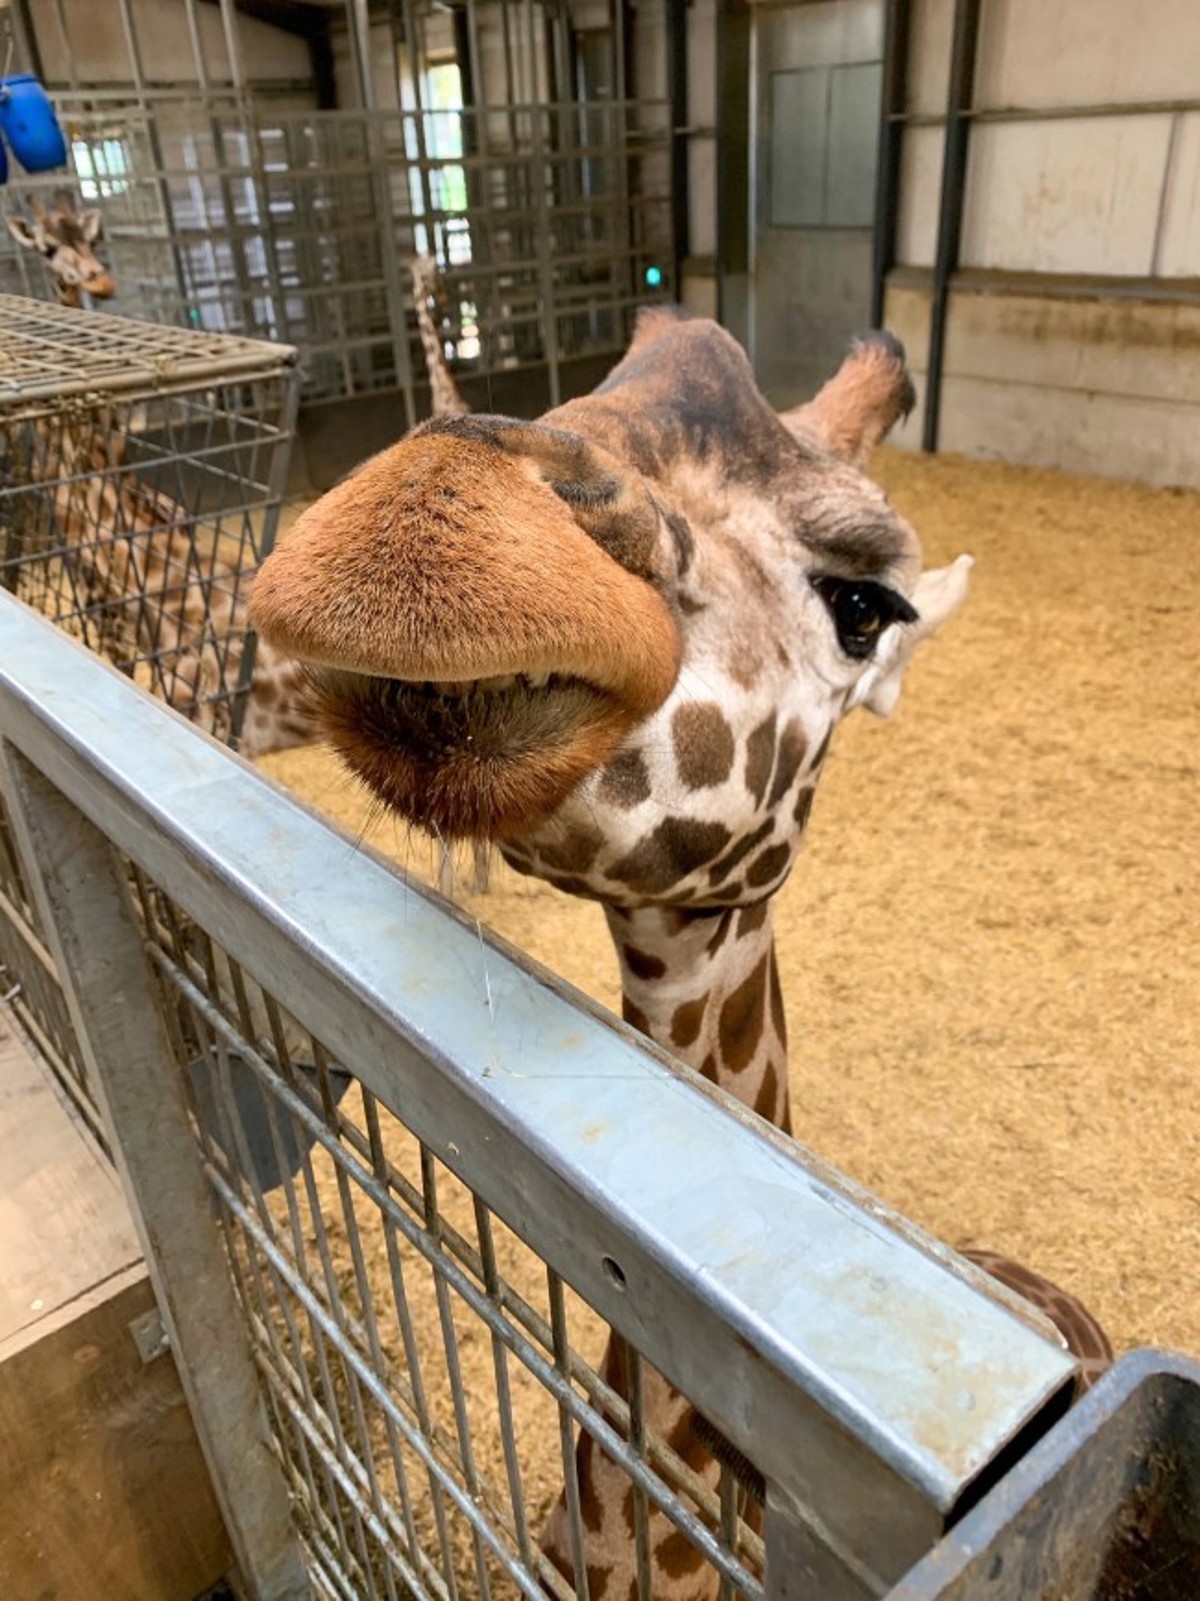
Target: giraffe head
[
  {"x": 616, "y": 640},
  {"x": 66, "y": 240}
]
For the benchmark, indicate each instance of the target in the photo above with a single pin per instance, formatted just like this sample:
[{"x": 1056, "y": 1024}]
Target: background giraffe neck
[{"x": 444, "y": 395}]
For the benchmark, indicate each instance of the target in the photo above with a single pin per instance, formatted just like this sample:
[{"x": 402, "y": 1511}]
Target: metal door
[{"x": 817, "y": 72}]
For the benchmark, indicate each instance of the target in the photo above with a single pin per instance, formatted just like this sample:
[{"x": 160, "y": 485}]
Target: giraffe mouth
[{"x": 481, "y": 758}]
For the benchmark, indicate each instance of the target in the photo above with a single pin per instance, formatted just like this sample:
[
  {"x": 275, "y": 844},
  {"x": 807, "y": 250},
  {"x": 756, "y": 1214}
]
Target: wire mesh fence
[
  {"x": 424, "y": 1368},
  {"x": 417, "y": 1206},
  {"x": 141, "y": 471},
  {"x": 550, "y": 223}
]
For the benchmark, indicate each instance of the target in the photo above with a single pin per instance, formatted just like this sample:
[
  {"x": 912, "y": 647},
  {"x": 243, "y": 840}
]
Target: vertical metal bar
[
  {"x": 637, "y": 1440},
  {"x": 893, "y": 103},
  {"x": 1164, "y": 195},
  {"x": 677, "y": 92},
  {"x": 545, "y": 264},
  {"x": 60, "y": 16},
  {"x": 26, "y": 40},
  {"x": 562, "y": 1361},
  {"x": 733, "y": 160},
  {"x": 84, "y": 904},
  {"x": 133, "y": 50},
  {"x": 276, "y": 317},
  {"x": 954, "y": 174}
]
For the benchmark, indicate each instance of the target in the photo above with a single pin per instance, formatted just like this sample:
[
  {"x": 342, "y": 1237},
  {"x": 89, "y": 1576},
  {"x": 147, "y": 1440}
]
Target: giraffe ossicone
[{"x": 617, "y": 641}]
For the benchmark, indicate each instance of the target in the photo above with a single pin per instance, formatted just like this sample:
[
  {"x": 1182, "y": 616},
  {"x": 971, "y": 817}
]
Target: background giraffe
[
  {"x": 131, "y": 548},
  {"x": 619, "y": 642}
]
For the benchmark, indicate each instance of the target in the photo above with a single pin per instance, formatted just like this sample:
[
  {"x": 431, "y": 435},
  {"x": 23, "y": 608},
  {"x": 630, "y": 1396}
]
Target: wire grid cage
[
  {"x": 30, "y": 985},
  {"x": 141, "y": 472},
  {"x": 425, "y": 1371}
]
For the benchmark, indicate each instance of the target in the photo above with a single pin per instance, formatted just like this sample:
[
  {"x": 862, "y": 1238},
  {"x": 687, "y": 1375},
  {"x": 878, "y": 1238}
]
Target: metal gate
[
  {"x": 394, "y": 1188},
  {"x": 817, "y": 75}
]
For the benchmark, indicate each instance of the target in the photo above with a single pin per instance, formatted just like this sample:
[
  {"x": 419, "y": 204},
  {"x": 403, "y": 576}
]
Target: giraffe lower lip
[{"x": 463, "y": 759}]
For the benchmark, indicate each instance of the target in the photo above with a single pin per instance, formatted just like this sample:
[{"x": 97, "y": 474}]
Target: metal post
[
  {"x": 545, "y": 264},
  {"x": 26, "y": 40},
  {"x": 358, "y": 19},
  {"x": 677, "y": 89},
  {"x": 954, "y": 173},
  {"x": 893, "y": 103},
  {"x": 82, "y": 900},
  {"x": 733, "y": 163}
]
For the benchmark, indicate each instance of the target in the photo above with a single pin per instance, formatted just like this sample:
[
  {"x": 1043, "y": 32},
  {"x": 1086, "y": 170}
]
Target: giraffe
[
  {"x": 66, "y": 240},
  {"x": 131, "y": 545},
  {"x": 617, "y": 642},
  {"x": 447, "y": 402}
]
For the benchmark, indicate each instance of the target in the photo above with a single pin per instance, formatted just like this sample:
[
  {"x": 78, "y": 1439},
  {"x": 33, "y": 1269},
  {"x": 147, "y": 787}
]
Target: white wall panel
[
  {"x": 930, "y": 28},
  {"x": 1071, "y": 197},
  {"x": 920, "y": 189},
  {"x": 1087, "y": 52},
  {"x": 1179, "y": 252}
]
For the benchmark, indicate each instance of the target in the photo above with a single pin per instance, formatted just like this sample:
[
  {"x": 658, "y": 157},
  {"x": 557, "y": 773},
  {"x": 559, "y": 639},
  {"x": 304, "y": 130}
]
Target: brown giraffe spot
[
  {"x": 690, "y": 607},
  {"x": 752, "y": 918},
  {"x": 625, "y": 782},
  {"x": 730, "y": 893},
  {"x": 574, "y": 853},
  {"x": 598, "y": 1578},
  {"x": 641, "y": 964},
  {"x": 708, "y": 1068},
  {"x": 765, "y": 869},
  {"x": 266, "y": 691},
  {"x": 685, "y": 1025},
  {"x": 629, "y": 1511},
  {"x": 675, "y": 849},
  {"x": 784, "y": 659},
  {"x": 760, "y": 758},
  {"x": 803, "y": 806},
  {"x": 570, "y": 884},
  {"x": 676, "y": 1556},
  {"x": 721, "y": 870},
  {"x": 792, "y": 746},
  {"x": 742, "y": 1018},
  {"x": 634, "y": 1016},
  {"x": 778, "y": 1016},
  {"x": 589, "y": 1502},
  {"x": 703, "y": 743},
  {"x": 768, "y": 1093},
  {"x": 724, "y": 924}
]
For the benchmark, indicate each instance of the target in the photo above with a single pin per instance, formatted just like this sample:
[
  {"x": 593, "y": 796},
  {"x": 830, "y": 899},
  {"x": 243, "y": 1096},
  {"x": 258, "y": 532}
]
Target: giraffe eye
[{"x": 861, "y": 610}]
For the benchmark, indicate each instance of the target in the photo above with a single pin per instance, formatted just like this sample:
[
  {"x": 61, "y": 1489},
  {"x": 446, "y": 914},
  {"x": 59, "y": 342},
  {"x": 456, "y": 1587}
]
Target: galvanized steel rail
[{"x": 870, "y": 1376}]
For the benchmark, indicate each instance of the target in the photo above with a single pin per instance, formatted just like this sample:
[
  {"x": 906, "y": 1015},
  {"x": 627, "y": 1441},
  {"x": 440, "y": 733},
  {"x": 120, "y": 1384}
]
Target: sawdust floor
[{"x": 989, "y": 951}]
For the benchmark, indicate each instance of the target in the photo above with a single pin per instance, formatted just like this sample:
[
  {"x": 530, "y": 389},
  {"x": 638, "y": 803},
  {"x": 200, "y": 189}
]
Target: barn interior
[{"x": 988, "y": 948}]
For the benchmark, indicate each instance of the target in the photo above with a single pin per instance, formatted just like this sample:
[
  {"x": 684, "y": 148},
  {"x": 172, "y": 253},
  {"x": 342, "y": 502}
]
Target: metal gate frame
[{"x": 873, "y": 1377}]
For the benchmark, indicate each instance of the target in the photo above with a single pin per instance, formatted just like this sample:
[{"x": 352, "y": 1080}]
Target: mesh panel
[{"x": 424, "y": 1370}]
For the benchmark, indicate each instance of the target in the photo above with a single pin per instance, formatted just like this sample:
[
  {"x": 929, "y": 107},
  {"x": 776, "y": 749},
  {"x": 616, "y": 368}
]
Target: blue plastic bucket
[{"x": 28, "y": 122}]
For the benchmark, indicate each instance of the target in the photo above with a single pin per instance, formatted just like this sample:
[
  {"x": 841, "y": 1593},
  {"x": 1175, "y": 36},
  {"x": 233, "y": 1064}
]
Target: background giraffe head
[
  {"x": 617, "y": 640},
  {"x": 66, "y": 240}
]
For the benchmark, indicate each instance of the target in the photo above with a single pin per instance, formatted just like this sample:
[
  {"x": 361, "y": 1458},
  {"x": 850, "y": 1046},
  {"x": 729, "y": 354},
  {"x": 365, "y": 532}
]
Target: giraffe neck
[
  {"x": 704, "y": 986},
  {"x": 444, "y": 395}
]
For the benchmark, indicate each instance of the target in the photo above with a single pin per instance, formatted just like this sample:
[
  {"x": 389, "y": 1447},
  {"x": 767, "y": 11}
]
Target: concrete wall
[
  {"x": 99, "y": 53},
  {"x": 1074, "y": 324}
]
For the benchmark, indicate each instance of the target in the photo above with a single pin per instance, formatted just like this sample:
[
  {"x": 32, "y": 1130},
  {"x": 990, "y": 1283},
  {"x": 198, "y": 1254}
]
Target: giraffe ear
[
  {"x": 23, "y": 232},
  {"x": 937, "y": 594},
  {"x": 91, "y": 224},
  {"x": 861, "y": 403}
]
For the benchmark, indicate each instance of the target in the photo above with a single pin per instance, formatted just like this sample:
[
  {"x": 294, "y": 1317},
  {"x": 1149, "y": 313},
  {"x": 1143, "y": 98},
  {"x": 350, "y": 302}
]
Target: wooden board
[{"x": 105, "y": 1492}]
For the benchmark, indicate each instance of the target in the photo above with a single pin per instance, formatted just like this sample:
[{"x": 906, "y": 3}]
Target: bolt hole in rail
[{"x": 394, "y": 1182}]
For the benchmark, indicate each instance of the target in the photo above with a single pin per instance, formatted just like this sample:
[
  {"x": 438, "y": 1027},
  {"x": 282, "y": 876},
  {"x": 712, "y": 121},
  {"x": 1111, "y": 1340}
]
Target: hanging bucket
[{"x": 28, "y": 122}]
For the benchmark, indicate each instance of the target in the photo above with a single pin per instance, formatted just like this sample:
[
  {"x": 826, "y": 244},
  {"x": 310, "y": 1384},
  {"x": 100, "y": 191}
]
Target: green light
[{"x": 654, "y": 277}]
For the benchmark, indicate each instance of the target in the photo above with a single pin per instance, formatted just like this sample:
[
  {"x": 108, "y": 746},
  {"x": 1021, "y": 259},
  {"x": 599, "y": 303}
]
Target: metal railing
[
  {"x": 395, "y": 1185},
  {"x": 246, "y": 219}
]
